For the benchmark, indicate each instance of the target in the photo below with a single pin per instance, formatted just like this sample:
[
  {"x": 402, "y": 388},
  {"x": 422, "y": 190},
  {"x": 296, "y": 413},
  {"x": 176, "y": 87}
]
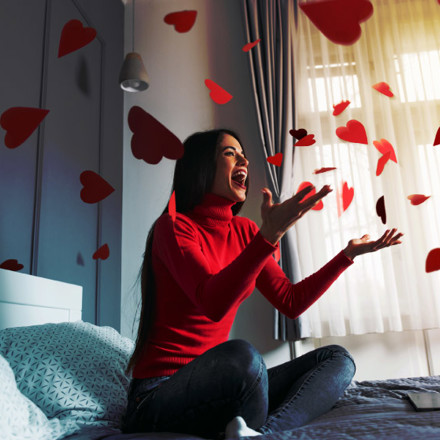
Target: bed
[{"x": 64, "y": 379}]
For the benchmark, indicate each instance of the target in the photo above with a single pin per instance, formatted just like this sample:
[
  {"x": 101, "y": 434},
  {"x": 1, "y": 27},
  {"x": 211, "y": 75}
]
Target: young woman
[{"x": 197, "y": 270}]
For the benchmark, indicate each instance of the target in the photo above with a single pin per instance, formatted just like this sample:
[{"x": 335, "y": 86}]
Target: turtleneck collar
[{"x": 213, "y": 211}]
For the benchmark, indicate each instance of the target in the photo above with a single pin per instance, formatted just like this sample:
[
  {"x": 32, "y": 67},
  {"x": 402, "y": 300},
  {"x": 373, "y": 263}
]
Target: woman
[{"x": 187, "y": 376}]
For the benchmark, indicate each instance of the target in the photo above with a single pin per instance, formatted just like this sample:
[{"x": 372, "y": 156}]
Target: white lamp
[{"x": 133, "y": 76}]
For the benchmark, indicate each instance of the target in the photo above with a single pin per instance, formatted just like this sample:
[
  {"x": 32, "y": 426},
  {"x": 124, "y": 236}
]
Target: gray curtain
[{"x": 271, "y": 67}]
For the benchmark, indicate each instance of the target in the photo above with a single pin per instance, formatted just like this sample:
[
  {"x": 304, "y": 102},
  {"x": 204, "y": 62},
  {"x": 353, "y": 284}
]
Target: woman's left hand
[{"x": 360, "y": 246}]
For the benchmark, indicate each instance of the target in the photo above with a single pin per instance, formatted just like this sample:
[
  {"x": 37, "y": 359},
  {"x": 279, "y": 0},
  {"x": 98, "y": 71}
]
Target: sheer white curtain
[{"x": 388, "y": 290}]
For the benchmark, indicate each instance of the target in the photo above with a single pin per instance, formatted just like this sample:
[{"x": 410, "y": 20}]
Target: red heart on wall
[
  {"x": 380, "y": 209},
  {"x": 102, "y": 253},
  {"x": 382, "y": 162},
  {"x": 324, "y": 170},
  {"x": 339, "y": 108},
  {"x": 303, "y": 185},
  {"x": 433, "y": 260},
  {"x": 353, "y": 132},
  {"x": 298, "y": 134},
  {"x": 182, "y": 21},
  {"x": 247, "y": 47},
  {"x": 339, "y": 20},
  {"x": 95, "y": 187},
  {"x": 218, "y": 94},
  {"x": 172, "y": 206},
  {"x": 385, "y": 147},
  {"x": 276, "y": 160},
  {"x": 151, "y": 140},
  {"x": 417, "y": 199},
  {"x": 383, "y": 88},
  {"x": 345, "y": 197},
  {"x": 20, "y": 123},
  {"x": 306, "y": 141},
  {"x": 11, "y": 265},
  {"x": 74, "y": 36},
  {"x": 437, "y": 136}
]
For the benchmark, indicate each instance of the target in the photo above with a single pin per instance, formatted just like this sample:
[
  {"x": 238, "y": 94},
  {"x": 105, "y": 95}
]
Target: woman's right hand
[{"x": 279, "y": 217}]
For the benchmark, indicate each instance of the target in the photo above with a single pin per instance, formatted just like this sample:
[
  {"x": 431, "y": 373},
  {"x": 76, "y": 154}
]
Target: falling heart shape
[
  {"x": 298, "y": 134},
  {"x": 102, "y": 253},
  {"x": 324, "y": 170},
  {"x": 385, "y": 147},
  {"x": 306, "y": 141},
  {"x": 437, "y": 138},
  {"x": 11, "y": 265},
  {"x": 95, "y": 187},
  {"x": 182, "y": 21},
  {"x": 339, "y": 20},
  {"x": 417, "y": 199},
  {"x": 172, "y": 206},
  {"x": 353, "y": 132},
  {"x": 20, "y": 123},
  {"x": 151, "y": 140},
  {"x": 380, "y": 209},
  {"x": 247, "y": 47},
  {"x": 339, "y": 108},
  {"x": 345, "y": 197},
  {"x": 218, "y": 94},
  {"x": 382, "y": 162},
  {"x": 276, "y": 160},
  {"x": 74, "y": 36},
  {"x": 303, "y": 185},
  {"x": 433, "y": 260},
  {"x": 383, "y": 88}
]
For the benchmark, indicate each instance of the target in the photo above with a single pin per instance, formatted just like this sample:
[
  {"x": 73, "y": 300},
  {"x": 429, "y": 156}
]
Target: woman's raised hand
[
  {"x": 279, "y": 217},
  {"x": 360, "y": 246}
]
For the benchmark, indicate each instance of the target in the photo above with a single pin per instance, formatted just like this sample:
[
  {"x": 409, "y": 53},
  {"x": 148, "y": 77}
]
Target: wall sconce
[{"x": 133, "y": 76}]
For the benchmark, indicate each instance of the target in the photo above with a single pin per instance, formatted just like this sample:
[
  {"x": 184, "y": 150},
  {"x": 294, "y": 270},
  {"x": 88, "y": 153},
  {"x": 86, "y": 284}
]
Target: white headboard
[{"x": 31, "y": 300}]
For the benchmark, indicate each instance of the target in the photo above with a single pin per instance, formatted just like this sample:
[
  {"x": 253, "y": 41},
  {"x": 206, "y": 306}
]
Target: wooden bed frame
[{"x": 30, "y": 300}]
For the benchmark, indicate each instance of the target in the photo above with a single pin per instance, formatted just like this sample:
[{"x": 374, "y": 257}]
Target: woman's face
[{"x": 231, "y": 171}]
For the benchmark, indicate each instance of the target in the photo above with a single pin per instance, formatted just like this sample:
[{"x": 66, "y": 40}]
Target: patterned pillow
[
  {"x": 21, "y": 418},
  {"x": 72, "y": 371}
]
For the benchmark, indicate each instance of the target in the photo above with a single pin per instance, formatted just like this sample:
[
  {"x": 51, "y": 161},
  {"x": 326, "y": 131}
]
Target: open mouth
[{"x": 239, "y": 178}]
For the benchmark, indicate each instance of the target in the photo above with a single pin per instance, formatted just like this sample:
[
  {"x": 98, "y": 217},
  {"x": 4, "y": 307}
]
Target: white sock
[{"x": 237, "y": 428}]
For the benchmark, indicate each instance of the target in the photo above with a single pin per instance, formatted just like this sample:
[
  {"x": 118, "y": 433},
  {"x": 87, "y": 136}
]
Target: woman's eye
[{"x": 229, "y": 153}]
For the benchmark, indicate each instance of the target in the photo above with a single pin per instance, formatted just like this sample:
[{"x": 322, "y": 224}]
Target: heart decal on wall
[
  {"x": 218, "y": 94},
  {"x": 102, "y": 253},
  {"x": 182, "y": 21},
  {"x": 74, "y": 36},
  {"x": 95, "y": 187},
  {"x": 11, "y": 264}
]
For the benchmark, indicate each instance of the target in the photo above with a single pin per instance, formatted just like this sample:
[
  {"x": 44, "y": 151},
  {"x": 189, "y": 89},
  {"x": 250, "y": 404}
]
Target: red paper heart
[
  {"x": 303, "y": 185},
  {"x": 298, "y": 134},
  {"x": 74, "y": 36},
  {"x": 172, "y": 206},
  {"x": 380, "y": 209},
  {"x": 324, "y": 170},
  {"x": 11, "y": 265},
  {"x": 417, "y": 199},
  {"x": 433, "y": 260},
  {"x": 95, "y": 187},
  {"x": 385, "y": 147},
  {"x": 345, "y": 197},
  {"x": 20, "y": 123},
  {"x": 382, "y": 162},
  {"x": 383, "y": 88},
  {"x": 103, "y": 252},
  {"x": 339, "y": 20},
  {"x": 247, "y": 47},
  {"x": 306, "y": 141},
  {"x": 151, "y": 140},
  {"x": 276, "y": 160},
  {"x": 182, "y": 21},
  {"x": 437, "y": 136},
  {"x": 353, "y": 132},
  {"x": 339, "y": 108},
  {"x": 218, "y": 94}
]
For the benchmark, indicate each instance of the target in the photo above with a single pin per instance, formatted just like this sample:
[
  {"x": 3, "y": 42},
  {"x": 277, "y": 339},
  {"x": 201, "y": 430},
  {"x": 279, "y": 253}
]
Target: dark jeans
[{"x": 232, "y": 380}]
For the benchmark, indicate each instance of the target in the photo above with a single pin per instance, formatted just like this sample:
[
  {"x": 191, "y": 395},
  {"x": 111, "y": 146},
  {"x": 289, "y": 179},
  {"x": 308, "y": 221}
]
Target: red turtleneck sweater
[{"x": 206, "y": 263}]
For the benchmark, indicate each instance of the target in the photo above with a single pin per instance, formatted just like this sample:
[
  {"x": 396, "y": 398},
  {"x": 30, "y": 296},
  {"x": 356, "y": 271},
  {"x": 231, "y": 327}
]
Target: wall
[{"x": 178, "y": 64}]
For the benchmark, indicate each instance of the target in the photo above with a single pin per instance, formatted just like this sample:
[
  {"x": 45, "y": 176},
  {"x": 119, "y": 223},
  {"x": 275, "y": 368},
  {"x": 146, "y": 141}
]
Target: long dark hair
[{"x": 193, "y": 178}]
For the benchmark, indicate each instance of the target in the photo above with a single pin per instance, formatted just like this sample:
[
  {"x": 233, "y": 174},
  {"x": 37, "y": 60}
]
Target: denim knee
[{"x": 343, "y": 353}]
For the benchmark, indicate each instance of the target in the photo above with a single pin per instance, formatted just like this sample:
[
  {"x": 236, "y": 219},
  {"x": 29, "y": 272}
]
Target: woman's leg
[
  {"x": 307, "y": 387},
  {"x": 203, "y": 396}
]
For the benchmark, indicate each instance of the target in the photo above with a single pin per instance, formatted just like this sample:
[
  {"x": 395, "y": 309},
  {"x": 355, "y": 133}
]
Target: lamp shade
[{"x": 133, "y": 76}]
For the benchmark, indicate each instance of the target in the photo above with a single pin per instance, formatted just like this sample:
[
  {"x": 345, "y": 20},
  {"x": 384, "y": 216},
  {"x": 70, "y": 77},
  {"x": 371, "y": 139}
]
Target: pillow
[
  {"x": 21, "y": 418},
  {"x": 71, "y": 371}
]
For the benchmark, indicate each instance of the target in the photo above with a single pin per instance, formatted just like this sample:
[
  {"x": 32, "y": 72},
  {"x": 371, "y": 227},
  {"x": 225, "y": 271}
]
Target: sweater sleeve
[
  {"x": 177, "y": 246},
  {"x": 294, "y": 299}
]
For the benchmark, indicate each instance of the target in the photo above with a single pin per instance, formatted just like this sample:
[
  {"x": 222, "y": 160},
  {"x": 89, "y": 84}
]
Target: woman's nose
[{"x": 243, "y": 160}]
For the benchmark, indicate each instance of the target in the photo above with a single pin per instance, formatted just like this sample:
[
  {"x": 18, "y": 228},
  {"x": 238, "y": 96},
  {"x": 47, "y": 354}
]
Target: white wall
[{"x": 178, "y": 64}]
